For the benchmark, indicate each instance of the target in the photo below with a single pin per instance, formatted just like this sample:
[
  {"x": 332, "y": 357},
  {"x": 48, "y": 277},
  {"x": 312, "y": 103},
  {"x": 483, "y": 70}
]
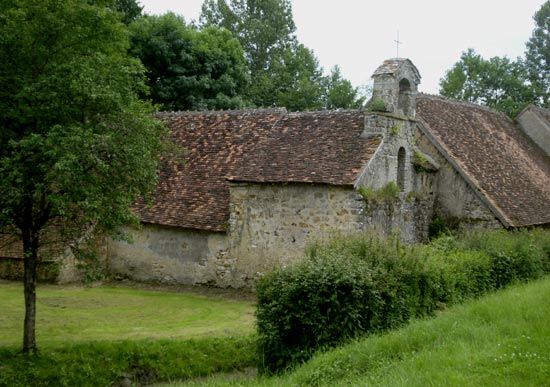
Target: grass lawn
[
  {"x": 76, "y": 314},
  {"x": 100, "y": 336},
  {"x": 502, "y": 339},
  {"x": 114, "y": 335}
]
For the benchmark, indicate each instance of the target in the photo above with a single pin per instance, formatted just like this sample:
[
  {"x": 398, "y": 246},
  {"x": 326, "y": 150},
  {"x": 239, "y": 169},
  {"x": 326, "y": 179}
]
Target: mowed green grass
[
  {"x": 78, "y": 314},
  {"x": 502, "y": 339}
]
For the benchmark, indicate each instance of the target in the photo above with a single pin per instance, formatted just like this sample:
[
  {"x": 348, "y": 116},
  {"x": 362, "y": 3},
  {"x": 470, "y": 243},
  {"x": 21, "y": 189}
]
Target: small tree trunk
[{"x": 30, "y": 248}]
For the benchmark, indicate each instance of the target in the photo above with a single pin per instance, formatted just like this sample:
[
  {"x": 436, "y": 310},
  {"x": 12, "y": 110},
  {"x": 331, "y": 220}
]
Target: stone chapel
[{"x": 255, "y": 187}]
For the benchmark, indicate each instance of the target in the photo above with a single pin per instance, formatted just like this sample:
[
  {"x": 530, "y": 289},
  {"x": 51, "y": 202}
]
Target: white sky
[{"x": 358, "y": 35}]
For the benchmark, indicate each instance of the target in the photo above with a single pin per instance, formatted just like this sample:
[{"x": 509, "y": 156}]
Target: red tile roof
[
  {"x": 506, "y": 167},
  {"x": 257, "y": 146},
  {"x": 319, "y": 147}
]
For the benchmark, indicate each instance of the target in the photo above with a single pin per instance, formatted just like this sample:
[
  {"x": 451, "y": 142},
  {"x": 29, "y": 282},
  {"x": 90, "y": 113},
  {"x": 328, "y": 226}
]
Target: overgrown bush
[
  {"x": 515, "y": 256},
  {"x": 354, "y": 286},
  {"x": 340, "y": 291}
]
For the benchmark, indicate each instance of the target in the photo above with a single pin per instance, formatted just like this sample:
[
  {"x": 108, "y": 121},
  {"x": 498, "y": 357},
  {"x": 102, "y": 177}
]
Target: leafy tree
[
  {"x": 298, "y": 80},
  {"x": 340, "y": 92},
  {"x": 130, "y": 9},
  {"x": 537, "y": 55},
  {"x": 189, "y": 69},
  {"x": 498, "y": 83},
  {"x": 283, "y": 72},
  {"x": 77, "y": 145},
  {"x": 265, "y": 28}
]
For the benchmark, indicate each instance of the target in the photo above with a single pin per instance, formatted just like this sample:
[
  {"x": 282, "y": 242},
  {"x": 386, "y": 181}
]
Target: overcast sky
[{"x": 358, "y": 35}]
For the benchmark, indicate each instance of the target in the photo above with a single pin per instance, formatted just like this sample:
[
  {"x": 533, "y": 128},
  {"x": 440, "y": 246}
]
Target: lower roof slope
[
  {"x": 506, "y": 167},
  {"x": 266, "y": 146}
]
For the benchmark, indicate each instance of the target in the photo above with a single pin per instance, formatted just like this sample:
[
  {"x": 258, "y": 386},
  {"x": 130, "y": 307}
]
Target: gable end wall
[
  {"x": 537, "y": 128},
  {"x": 454, "y": 199}
]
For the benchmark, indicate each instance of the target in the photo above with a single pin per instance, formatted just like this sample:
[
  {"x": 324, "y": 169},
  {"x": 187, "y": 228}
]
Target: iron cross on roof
[{"x": 398, "y": 42}]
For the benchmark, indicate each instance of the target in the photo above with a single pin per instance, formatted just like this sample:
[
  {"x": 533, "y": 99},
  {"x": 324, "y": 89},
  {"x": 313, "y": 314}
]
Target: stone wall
[
  {"x": 170, "y": 255},
  {"x": 13, "y": 268},
  {"x": 272, "y": 224},
  {"x": 535, "y": 127},
  {"x": 397, "y": 133},
  {"x": 407, "y": 215}
]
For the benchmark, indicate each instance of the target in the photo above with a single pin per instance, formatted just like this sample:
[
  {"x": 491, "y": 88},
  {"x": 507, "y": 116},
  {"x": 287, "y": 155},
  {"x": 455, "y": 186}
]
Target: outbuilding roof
[{"x": 508, "y": 170}]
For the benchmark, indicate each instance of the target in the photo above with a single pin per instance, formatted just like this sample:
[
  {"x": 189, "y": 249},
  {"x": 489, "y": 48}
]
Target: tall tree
[
  {"x": 498, "y": 83},
  {"x": 130, "y": 10},
  {"x": 298, "y": 80},
  {"x": 189, "y": 69},
  {"x": 77, "y": 145},
  {"x": 283, "y": 72},
  {"x": 340, "y": 93},
  {"x": 265, "y": 28},
  {"x": 537, "y": 55}
]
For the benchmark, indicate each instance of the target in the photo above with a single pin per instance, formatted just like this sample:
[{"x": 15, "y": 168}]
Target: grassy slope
[
  {"x": 83, "y": 314},
  {"x": 499, "y": 340}
]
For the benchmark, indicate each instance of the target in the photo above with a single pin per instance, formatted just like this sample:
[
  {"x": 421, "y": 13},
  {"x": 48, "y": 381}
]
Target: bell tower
[{"x": 396, "y": 84}]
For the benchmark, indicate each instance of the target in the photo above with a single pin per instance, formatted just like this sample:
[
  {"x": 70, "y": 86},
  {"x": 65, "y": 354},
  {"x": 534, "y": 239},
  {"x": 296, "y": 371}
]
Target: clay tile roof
[
  {"x": 506, "y": 167},
  {"x": 257, "y": 145},
  {"x": 319, "y": 147}
]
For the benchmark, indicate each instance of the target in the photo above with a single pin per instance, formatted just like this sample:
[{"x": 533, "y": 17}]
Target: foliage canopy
[
  {"x": 77, "y": 145},
  {"x": 501, "y": 83},
  {"x": 537, "y": 55},
  {"x": 283, "y": 72},
  {"x": 188, "y": 69}
]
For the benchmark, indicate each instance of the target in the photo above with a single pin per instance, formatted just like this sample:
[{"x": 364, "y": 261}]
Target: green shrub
[
  {"x": 354, "y": 286},
  {"x": 515, "y": 256},
  {"x": 341, "y": 291},
  {"x": 318, "y": 303}
]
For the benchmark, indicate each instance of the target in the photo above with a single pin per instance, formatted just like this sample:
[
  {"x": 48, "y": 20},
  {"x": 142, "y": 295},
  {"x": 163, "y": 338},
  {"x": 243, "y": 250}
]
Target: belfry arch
[{"x": 405, "y": 95}]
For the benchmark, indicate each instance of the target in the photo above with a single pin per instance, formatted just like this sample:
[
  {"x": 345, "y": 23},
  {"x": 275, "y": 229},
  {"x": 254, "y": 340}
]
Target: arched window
[
  {"x": 404, "y": 102},
  {"x": 401, "y": 154}
]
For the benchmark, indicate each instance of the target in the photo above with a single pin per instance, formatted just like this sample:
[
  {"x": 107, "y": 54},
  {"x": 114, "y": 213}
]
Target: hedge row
[{"x": 353, "y": 286}]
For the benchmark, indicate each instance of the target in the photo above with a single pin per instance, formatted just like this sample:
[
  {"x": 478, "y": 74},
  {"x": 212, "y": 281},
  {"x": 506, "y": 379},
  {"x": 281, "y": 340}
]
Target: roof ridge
[
  {"x": 218, "y": 112},
  {"x": 324, "y": 112},
  {"x": 462, "y": 103}
]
